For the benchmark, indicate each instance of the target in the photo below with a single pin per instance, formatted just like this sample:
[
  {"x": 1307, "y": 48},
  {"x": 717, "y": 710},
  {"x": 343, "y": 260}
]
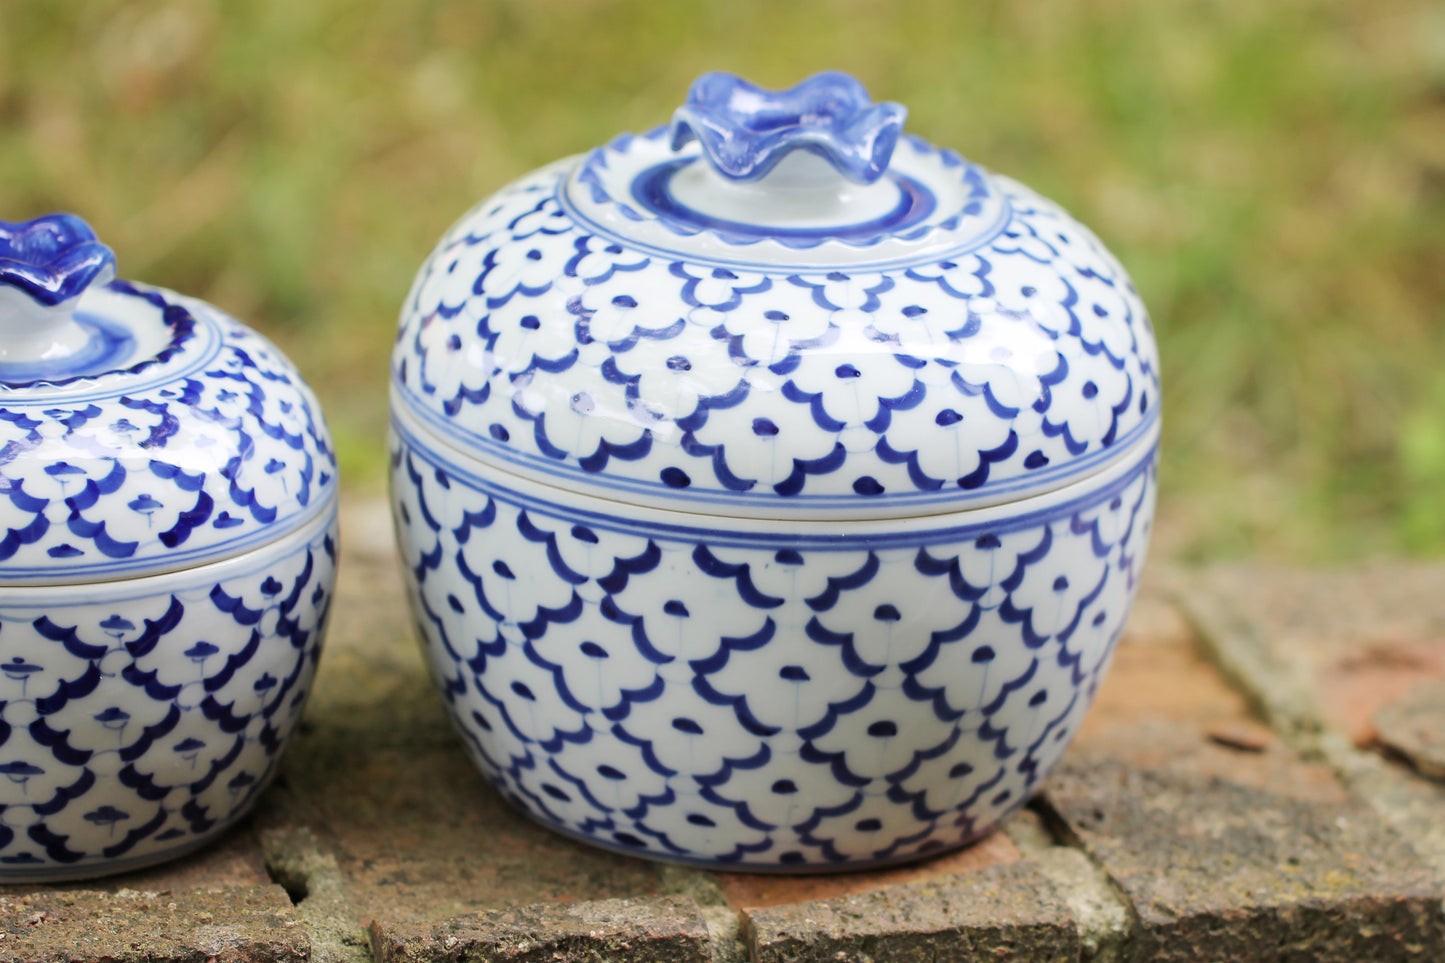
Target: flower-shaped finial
[
  {"x": 53, "y": 258},
  {"x": 746, "y": 130}
]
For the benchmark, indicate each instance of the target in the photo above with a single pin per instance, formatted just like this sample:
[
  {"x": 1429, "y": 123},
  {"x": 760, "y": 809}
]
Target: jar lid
[
  {"x": 779, "y": 306},
  {"x": 140, "y": 431}
]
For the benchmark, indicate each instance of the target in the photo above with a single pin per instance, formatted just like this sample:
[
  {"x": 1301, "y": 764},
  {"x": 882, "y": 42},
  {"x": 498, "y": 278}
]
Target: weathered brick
[
  {"x": 1322, "y": 650},
  {"x": 233, "y": 860},
  {"x": 1000, "y": 912},
  {"x": 1217, "y": 870},
  {"x": 1414, "y": 727},
  {"x": 1159, "y": 672},
  {"x": 234, "y": 925},
  {"x": 757, "y": 890},
  {"x": 652, "y": 930},
  {"x": 1325, "y": 655},
  {"x": 1163, "y": 705}
]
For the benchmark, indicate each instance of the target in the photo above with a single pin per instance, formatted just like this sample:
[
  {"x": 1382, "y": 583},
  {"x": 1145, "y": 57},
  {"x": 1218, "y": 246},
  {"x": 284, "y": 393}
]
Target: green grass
[{"x": 1272, "y": 174}]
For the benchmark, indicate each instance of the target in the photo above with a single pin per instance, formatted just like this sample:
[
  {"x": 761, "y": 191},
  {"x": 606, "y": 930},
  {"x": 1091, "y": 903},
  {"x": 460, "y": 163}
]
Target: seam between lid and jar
[
  {"x": 316, "y": 514},
  {"x": 837, "y": 530},
  {"x": 779, "y": 508},
  {"x": 564, "y": 476}
]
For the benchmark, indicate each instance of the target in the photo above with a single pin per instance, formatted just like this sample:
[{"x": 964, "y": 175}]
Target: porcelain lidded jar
[
  {"x": 167, "y": 555},
  {"x": 772, "y": 488}
]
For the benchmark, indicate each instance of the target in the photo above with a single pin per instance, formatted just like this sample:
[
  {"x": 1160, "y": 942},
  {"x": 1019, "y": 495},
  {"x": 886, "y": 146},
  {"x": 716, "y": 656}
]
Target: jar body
[
  {"x": 772, "y": 487},
  {"x": 763, "y": 694},
  {"x": 143, "y": 716}
]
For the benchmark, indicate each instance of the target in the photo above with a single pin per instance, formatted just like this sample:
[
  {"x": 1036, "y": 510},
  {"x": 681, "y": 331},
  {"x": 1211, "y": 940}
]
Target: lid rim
[
  {"x": 752, "y": 531},
  {"x": 175, "y": 316},
  {"x": 928, "y": 250},
  {"x": 319, "y": 509},
  {"x": 802, "y": 508},
  {"x": 604, "y": 180}
]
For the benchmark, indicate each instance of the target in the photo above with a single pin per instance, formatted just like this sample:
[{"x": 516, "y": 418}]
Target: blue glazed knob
[
  {"x": 45, "y": 265},
  {"x": 52, "y": 258},
  {"x": 745, "y": 130}
]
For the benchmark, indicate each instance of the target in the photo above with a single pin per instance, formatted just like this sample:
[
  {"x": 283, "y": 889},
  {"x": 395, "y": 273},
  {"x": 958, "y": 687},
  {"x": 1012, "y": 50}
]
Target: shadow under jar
[
  {"x": 772, "y": 488},
  {"x": 167, "y": 556}
]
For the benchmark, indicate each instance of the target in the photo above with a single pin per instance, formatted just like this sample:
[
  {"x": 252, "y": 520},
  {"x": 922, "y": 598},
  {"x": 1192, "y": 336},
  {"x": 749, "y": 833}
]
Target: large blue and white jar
[
  {"x": 167, "y": 556},
  {"x": 772, "y": 487}
]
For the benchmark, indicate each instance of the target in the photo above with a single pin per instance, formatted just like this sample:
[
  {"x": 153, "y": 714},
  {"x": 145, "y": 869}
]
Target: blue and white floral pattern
[
  {"x": 167, "y": 556},
  {"x": 775, "y": 503},
  {"x": 1014, "y": 361},
  {"x": 763, "y": 696},
  {"x": 140, "y": 718},
  {"x": 208, "y": 447}
]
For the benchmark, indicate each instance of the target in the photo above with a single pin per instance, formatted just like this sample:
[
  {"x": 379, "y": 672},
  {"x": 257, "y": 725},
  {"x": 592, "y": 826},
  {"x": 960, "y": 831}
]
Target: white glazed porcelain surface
[
  {"x": 167, "y": 557},
  {"x": 142, "y": 717},
  {"x": 763, "y": 694},
  {"x": 1012, "y": 363},
  {"x": 766, "y": 504},
  {"x": 206, "y": 447}
]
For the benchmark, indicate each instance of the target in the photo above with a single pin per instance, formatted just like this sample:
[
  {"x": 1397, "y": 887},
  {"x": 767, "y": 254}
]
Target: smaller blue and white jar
[
  {"x": 772, "y": 487},
  {"x": 167, "y": 558}
]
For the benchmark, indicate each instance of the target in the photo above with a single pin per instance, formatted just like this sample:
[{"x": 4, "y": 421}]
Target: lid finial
[
  {"x": 45, "y": 265},
  {"x": 746, "y": 130},
  {"x": 52, "y": 258}
]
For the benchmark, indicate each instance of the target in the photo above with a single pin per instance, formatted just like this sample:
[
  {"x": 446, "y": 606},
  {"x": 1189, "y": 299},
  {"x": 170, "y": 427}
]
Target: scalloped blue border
[
  {"x": 586, "y": 175},
  {"x": 174, "y": 316},
  {"x": 651, "y": 189}
]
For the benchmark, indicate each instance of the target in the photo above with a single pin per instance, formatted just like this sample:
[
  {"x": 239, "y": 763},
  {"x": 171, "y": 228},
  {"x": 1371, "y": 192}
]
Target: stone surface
[
  {"x": 1414, "y": 726},
  {"x": 1219, "y": 870},
  {"x": 1159, "y": 672},
  {"x": 1099, "y": 910},
  {"x": 1224, "y": 840},
  {"x": 756, "y": 890},
  {"x": 1002, "y": 912},
  {"x": 1244, "y": 736},
  {"x": 312, "y": 878},
  {"x": 655, "y": 930},
  {"x": 1321, "y": 650},
  {"x": 1163, "y": 705},
  {"x": 232, "y": 925},
  {"x": 1322, "y": 654},
  {"x": 219, "y": 902}
]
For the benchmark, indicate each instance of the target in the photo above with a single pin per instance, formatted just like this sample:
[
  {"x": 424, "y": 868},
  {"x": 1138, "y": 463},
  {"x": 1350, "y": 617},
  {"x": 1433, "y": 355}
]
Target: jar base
[
  {"x": 97, "y": 869},
  {"x": 772, "y": 869}
]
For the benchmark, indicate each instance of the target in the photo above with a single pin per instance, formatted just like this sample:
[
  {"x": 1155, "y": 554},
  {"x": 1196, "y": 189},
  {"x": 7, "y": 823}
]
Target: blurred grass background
[{"x": 1272, "y": 174}]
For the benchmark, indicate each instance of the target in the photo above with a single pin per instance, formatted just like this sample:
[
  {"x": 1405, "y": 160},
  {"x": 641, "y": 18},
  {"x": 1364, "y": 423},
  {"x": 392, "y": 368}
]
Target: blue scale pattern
[
  {"x": 1016, "y": 365},
  {"x": 767, "y": 701},
  {"x": 183, "y": 458},
  {"x": 137, "y": 726}
]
